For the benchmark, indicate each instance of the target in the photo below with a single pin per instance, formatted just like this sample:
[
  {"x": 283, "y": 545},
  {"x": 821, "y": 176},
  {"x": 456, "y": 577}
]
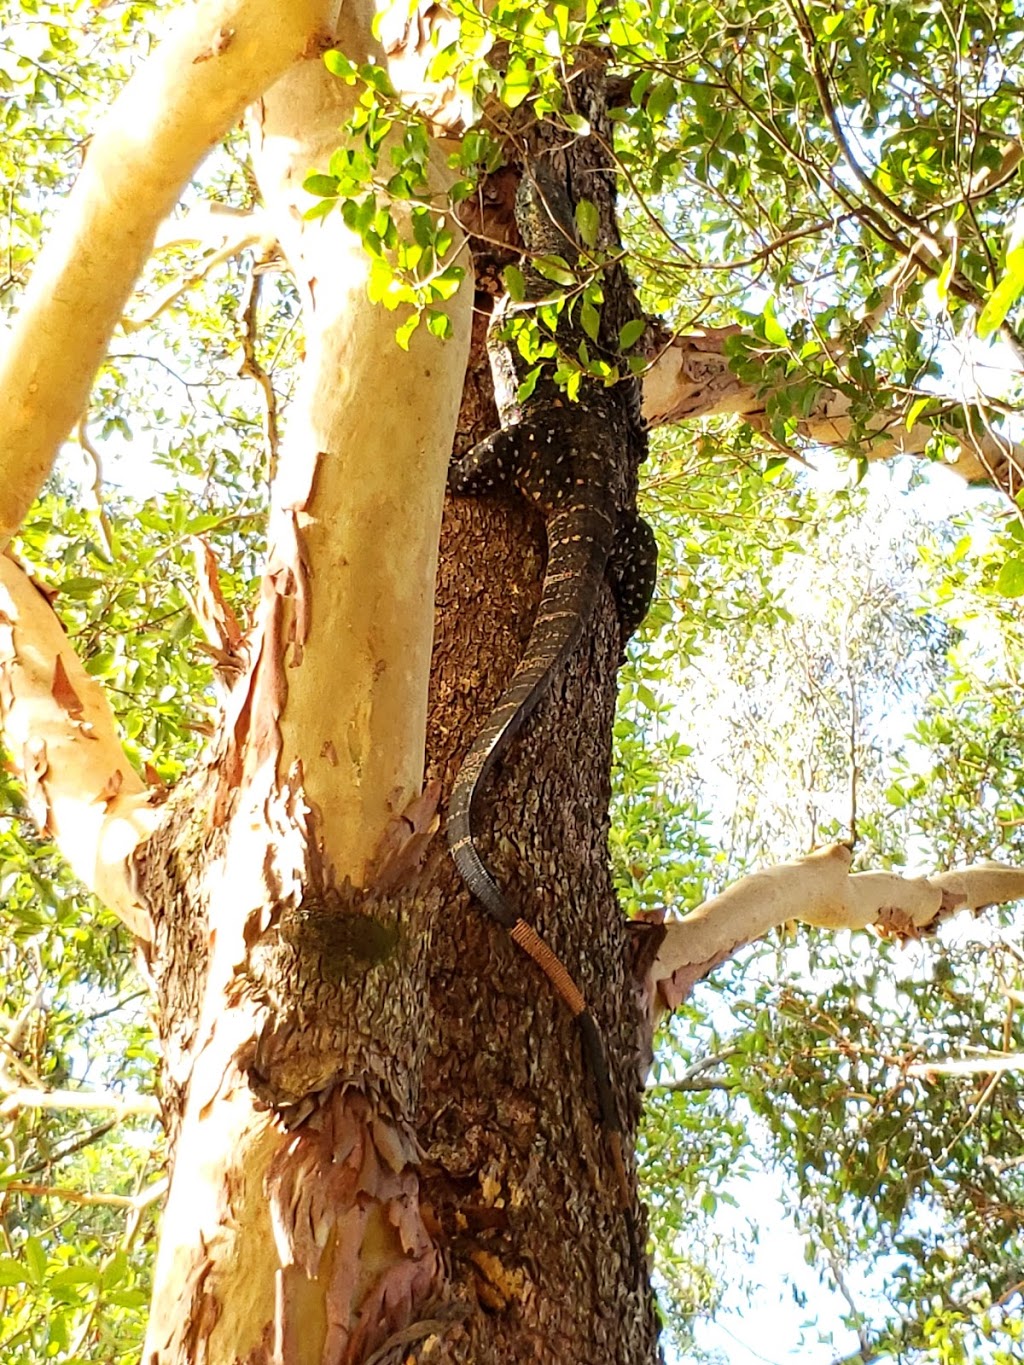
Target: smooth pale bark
[
  {"x": 819, "y": 890},
  {"x": 215, "y": 60},
  {"x": 690, "y": 378},
  {"x": 357, "y": 501},
  {"x": 62, "y": 737}
]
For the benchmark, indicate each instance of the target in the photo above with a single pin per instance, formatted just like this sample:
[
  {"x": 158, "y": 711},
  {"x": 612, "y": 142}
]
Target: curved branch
[
  {"x": 217, "y": 58},
  {"x": 690, "y": 378},
  {"x": 819, "y": 890}
]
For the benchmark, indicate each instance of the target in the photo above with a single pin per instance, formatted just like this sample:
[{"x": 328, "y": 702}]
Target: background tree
[{"x": 848, "y": 182}]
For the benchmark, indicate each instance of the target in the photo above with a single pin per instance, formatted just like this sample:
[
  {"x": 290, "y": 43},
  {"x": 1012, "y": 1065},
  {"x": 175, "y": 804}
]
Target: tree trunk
[
  {"x": 519, "y": 1177},
  {"x": 374, "y": 1008},
  {"x": 383, "y": 1132}
]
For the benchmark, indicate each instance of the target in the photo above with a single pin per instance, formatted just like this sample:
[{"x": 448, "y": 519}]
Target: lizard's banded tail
[
  {"x": 577, "y": 556},
  {"x": 579, "y": 542}
]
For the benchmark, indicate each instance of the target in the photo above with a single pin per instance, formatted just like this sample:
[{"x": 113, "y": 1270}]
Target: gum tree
[{"x": 382, "y": 1136}]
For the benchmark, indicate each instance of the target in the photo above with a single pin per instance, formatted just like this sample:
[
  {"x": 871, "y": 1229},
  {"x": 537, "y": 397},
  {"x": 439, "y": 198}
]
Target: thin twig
[{"x": 251, "y": 368}]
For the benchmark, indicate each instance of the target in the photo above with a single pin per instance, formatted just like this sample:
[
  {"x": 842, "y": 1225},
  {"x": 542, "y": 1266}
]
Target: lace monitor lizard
[{"x": 551, "y": 453}]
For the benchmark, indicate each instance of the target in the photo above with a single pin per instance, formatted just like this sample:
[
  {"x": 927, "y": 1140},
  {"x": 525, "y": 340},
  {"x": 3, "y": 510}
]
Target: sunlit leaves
[{"x": 1009, "y": 288}]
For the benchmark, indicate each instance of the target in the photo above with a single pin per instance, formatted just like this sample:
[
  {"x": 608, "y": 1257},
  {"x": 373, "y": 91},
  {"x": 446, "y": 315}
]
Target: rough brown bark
[
  {"x": 521, "y": 1181},
  {"x": 517, "y": 1173}
]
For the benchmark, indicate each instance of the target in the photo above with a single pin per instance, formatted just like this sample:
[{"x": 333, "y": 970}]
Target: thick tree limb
[
  {"x": 215, "y": 61},
  {"x": 690, "y": 378},
  {"x": 819, "y": 890},
  {"x": 80, "y": 787},
  {"x": 357, "y": 497}
]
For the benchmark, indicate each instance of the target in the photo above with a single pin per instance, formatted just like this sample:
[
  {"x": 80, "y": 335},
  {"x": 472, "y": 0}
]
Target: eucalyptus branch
[
  {"x": 913, "y": 252},
  {"x": 839, "y": 1276},
  {"x": 133, "y": 1221},
  {"x": 809, "y": 43},
  {"x": 86, "y": 1198},
  {"x": 851, "y": 683},
  {"x": 645, "y": 208},
  {"x": 695, "y": 1079},
  {"x": 215, "y": 225},
  {"x": 174, "y": 291},
  {"x": 70, "y": 1148},
  {"x": 819, "y": 890},
  {"x": 989, "y": 1065},
  {"x": 96, "y": 486}
]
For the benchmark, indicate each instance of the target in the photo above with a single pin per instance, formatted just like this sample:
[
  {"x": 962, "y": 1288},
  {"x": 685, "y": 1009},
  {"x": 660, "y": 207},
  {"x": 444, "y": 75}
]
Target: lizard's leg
[{"x": 633, "y": 571}]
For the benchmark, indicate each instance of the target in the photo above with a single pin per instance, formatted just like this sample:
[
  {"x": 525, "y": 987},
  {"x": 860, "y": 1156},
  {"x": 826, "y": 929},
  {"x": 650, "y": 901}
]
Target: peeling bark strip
[
  {"x": 81, "y": 789},
  {"x": 346, "y": 1182},
  {"x": 293, "y": 1229}
]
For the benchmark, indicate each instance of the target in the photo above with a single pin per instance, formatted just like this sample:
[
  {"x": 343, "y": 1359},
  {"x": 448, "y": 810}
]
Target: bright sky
[{"x": 762, "y": 1322}]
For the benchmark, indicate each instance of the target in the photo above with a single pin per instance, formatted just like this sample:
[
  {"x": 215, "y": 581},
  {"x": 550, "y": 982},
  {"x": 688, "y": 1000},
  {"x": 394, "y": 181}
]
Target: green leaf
[
  {"x": 1004, "y": 296},
  {"x": 661, "y": 100},
  {"x": 941, "y": 284},
  {"x": 339, "y": 65},
  {"x": 35, "y": 1259},
  {"x": 915, "y": 410},
  {"x": 404, "y": 331},
  {"x": 774, "y": 467},
  {"x": 439, "y": 324},
  {"x": 1010, "y": 582},
  {"x": 515, "y": 283},
  {"x": 11, "y": 1272},
  {"x": 446, "y": 285},
  {"x": 74, "y": 1275},
  {"x": 588, "y": 221},
  {"x": 321, "y": 185},
  {"x": 517, "y": 84},
  {"x": 80, "y": 588},
  {"x": 773, "y": 330},
  {"x": 631, "y": 332},
  {"x": 319, "y": 210},
  {"x": 528, "y": 385},
  {"x": 554, "y": 268},
  {"x": 590, "y": 319},
  {"x": 381, "y": 284}
]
